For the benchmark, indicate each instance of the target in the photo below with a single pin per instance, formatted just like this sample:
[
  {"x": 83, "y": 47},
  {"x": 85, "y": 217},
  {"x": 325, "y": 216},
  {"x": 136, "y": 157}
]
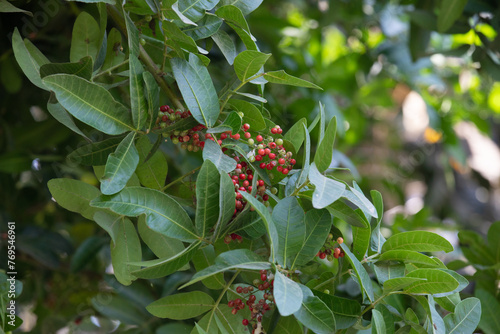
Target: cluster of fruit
[
  {"x": 257, "y": 308},
  {"x": 329, "y": 251},
  {"x": 232, "y": 237}
]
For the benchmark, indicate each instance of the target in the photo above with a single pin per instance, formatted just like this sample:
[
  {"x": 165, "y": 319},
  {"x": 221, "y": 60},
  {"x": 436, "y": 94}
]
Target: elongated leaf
[
  {"x": 287, "y": 295},
  {"x": 153, "y": 172},
  {"x": 234, "y": 259},
  {"x": 152, "y": 94},
  {"x": 346, "y": 311},
  {"x": 248, "y": 63},
  {"x": 288, "y": 218},
  {"x": 181, "y": 305},
  {"x": 137, "y": 98},
  {"x": 231, "y": 123},
  {"x": 288, "y": 325},
  {"x": 86, "y": 252},
  {"x": 61, "y": 115},
  {"x": 178, "y": 40},
  {"x": 234, "y": 18},
  {"x": 164, "y": 215},
  {"x": 449, "y": 12},
  {"x": 197, "y": 89},
  {"x": 318, "y": 224},
  {"x": 378, "y": 323},
  {"x": 252, "y": 115},
  {"x": 195, "y": 9},
  {"x": 86, "y": 38},
  {"x": 281, "y": 77},
  {"x": 363, "y": 278},
  {"x": 119, "y": 308},
  {"x": 315, "y": 315},
  {"x": 419, "y": 241},
  {"x": 490, "y": 315},
  {"x": 109, "y": 221},
  {"x": 462, "y": 281},
  {"x": 226, "y": 45},
  {"x": 356, "y": 196},
  {"x": 465, "y": 318},
  {"x": 227, "y": 322},
  {"x": 226, "y": 204},
  {"x": 399, "y": 283},
  {"x": 163, "y": 247},
  {"x": 213, "y": 152},
  {"x": 95, "y": 154},
  {"x": 324, "y": 153},
  {"x": 206, "y": 27},
  {"x": 407, "y": 256},
  {"x": 204, "y": 258},
  {"x": 295, "y": 134},
  {"x": 166, "y": 266},
  {"x": 126, "y": 248},
  {"x": 493, "y": 244},
  {"x": 90, "y": 103},
  {"x": 252, "y": 96},
  {"x": 327, "y": 190},
  {"x": 207, "y": 197},
  {"x": 437, "y": 281},
  {"x": 246, "y": 6},
  {"x": 120, "y": 166},
  {"x": 304, "y": 173},
  {"x": 361, "y": 241},
  {"x": 7, "y": 7},
  {"x": 74, "y": 195},
  {"x": 268, "y": 221},
  {"x": 82, "y": 68},
  {"x": 29, "y": 62},
  {"x": 377, "y": 239}
]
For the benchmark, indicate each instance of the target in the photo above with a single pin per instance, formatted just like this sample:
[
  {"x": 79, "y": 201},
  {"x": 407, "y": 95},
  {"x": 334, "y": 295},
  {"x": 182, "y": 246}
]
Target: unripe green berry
[
  {"x": 176, "y": 132},
  {"x": 175, "y": 140},
  {"x": 251, "y": 141},
  {"x": 142, "y": 41},
  {"x": 326, "y": 291},
  {"x": 266, "y": 203},
  {"x": 279, "y": 141},
  {"x": 260, "y": 146},
  {"x": 165, "y": 135},
  {"x": 163, "y": 125},
  {"x": 241, "y": 114},
  {"x": 172, "y": 117},
  {"x": 148, "y": 18},
  {"x": 274, "y": 190},
  {"x": 251, "y": 158}
]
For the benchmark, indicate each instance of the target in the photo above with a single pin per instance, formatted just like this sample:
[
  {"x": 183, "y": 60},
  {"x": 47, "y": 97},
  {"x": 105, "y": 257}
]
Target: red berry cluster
[
  {"x": 232, "y": 237},
  {"x": 257, "y": 308},
  {"x": 271, "y": 152},
  {"x": 329, "y": 251}
]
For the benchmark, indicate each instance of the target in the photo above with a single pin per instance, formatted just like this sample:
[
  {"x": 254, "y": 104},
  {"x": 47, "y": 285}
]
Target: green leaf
[
  {"x": 449, "y": 12},
  {"x": 419, "y": 241},
  {"x": 74, "y": 195},
  {"x": 90, "y": 103},
  {"x": 493, "y": 244},
  {"x": 281, "y": 77},
  {"x": 252, "y": 114},
  {"x": 226, "y": 45},
  {"x": 288, "y": 217},
  {"x": 437, "y": 281},
  {"x": 475, "y": 249},
  {"x": 204, "y": 258},
  {"x": 436, "y": 320},
  {"x": 268, "y": 221},
  {"x": 377, "y": 239},
  {"x": 120, "y": 166},
  {"x": 61, "y": 115},
  {"x": 399, "y": 283},
  {"x": 86, "y": 38},
  {"x": 95, "y": 154},
  {"x": 207, "y": 197},
  {"x": 234, "y": 18},
  {"x": 7, "y": 7},
  {"x": 316, "y": 316},
  {"x": 30, "y": 61},
  {"x": 363, "y": 278},
  {"x": 164, "y": 215},
  {"x": 207, "y": 26},
  {"x": 234, "y": 259},
  {"x": 133, "y": 36},
  {"x": 153, "y": 172},
  {"x": 114, "y": 55},
  {"x": 252, "y": 96},
  {"x": 407, "y": 256},
  {"x": 197, "y": 89},
  {"x": 231, "y": 123},
  {"x": 324, "y": 153},
  {"x": 288, "y": 325},
  {"x": 109, "y": 222},
  {"x": 462, "y": 281},
  {"x": 181, "y": 305},
  {"x": 346, "y": 311},
  {"x": 226, "y": 203},
  {"x": 317, "y": 224},
  {"x": 166, "y": 266},
  {"x": 355, "y": 195},
  {"x": 121, "y": 309},
  {"x": 86, "y": 252},
  {"x": 126, "y": 248},
  {"x": 490, "y": 315},
  {"x": 213, "y": 152},
  {"x": 195, "y": 9},
  {"x": 304, "y": 173},
  {"x": 178, "y": 40},
  {"x": 295, "y": 134},
  {"x": 248, "y": 63},
  {"x": 465, "y": 318},
  {"x": 82, "y": 68},
  {"x": 327, "y": 190},
  {"x": 361, "y": 241},
  {"x": 137, "y": 98},
  {"x": 152, "y": 94},
  {"x": 160, "y": 245},
  {"x": 287, "y": 295},
  {"x": 378, "y": 323},
  {"x": 246, "y": 6}
]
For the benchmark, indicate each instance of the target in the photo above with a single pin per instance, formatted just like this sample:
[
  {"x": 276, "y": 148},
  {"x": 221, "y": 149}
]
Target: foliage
[{"x": 289, "y": 226}]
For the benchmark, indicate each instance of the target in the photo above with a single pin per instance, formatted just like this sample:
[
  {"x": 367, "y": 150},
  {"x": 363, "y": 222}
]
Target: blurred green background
[{"x": 419, "y": 120}]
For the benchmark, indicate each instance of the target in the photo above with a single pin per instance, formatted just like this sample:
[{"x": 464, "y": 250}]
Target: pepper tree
[{"x": 259, "y": 228}]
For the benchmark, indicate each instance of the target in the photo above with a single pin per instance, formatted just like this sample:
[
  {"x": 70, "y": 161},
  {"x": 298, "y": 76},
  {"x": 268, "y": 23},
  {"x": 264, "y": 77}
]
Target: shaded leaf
[
  {"x": 281, "y": 77},
  {"x": 181, "y": 306},
  {"x": 86, "y": 38}
]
